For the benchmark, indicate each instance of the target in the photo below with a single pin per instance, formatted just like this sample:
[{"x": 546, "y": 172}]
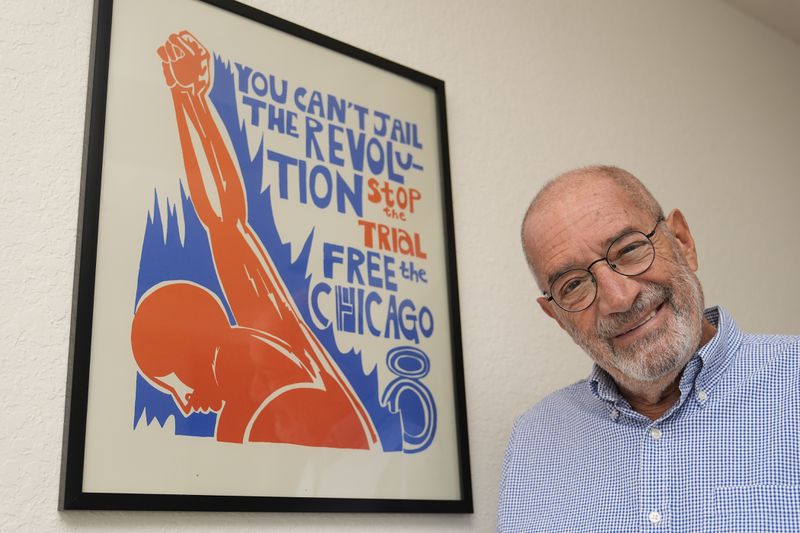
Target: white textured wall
[{"x": 698, "y": 99}]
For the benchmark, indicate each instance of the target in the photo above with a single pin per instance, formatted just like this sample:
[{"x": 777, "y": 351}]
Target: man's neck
[{"x": 653, "y": 398}]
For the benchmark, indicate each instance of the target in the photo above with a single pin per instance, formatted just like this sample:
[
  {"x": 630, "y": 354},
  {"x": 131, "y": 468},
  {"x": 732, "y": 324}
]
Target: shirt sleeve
[{"x": 505, "y": 507}]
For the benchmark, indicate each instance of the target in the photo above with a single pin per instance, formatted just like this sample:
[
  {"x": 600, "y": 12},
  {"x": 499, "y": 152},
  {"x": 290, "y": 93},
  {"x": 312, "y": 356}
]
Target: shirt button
[
  {"x": 655, "y": 433},
  {"x": 702, "y": 395},
  {"x": 654, "y": 517}
]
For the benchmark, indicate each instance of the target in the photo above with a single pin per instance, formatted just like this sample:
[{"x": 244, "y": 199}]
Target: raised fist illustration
[{"x": 185, "y": 63}]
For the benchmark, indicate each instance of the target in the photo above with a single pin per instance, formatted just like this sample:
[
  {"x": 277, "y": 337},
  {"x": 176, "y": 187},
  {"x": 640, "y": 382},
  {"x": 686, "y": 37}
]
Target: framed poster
[{"x": 266, "y": 309}]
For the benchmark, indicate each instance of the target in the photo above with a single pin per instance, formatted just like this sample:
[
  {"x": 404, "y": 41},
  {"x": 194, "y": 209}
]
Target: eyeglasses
[{"x": 631, "y": 254}]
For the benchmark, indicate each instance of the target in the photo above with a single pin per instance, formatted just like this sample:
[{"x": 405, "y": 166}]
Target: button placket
[{"x": 655, "y": 472}]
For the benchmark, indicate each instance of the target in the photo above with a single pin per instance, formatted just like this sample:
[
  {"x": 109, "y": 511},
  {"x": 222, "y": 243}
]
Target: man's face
[{"x": 639, "y": 328}]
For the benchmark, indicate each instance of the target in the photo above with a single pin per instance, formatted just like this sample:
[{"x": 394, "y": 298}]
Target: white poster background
[{"x": 142, "y": 153}]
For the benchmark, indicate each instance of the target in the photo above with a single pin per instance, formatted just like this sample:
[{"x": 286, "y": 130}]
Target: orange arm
[
  {"x": 187, "y": 72},
  {"x": 248, "y": 278}
]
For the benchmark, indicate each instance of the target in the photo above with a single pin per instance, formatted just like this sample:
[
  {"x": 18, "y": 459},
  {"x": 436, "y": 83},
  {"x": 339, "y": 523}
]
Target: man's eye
[
  {"x": 571, "y": 286},
  {"x": 633, "y": 249}
]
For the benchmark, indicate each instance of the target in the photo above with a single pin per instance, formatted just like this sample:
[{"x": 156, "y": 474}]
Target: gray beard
[{"x": 662, "y": 351}]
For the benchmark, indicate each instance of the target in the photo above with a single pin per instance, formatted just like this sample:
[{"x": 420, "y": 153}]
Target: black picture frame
[{"x": 87, "y": 361}]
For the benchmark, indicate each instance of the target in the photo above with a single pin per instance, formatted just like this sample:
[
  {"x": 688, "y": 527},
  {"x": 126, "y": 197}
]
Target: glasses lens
[
  {"x": 574, "y": 290},
  {"x": 631, "y": 254}
]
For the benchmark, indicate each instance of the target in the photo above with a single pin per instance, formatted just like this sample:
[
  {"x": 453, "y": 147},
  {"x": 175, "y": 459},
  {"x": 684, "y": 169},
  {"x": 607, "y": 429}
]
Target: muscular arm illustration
[
  {"x": 248, "y": 278},
  {"x": 187, "y": 73}
]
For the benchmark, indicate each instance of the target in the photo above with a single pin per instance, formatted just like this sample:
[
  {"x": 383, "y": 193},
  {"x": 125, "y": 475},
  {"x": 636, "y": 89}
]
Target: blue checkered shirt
[{"x": 725, "y": 457}]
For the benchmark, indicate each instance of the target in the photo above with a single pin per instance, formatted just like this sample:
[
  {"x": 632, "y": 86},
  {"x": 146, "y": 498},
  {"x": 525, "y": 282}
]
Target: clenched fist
[{"x": 185, "y": 63}]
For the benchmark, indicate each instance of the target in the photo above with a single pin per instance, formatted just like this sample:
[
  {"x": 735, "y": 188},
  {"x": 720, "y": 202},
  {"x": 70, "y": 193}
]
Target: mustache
[{"x": 653, "y": 294}]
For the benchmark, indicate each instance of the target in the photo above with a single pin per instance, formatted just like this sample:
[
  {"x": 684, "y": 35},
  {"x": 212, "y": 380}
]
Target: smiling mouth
[{"x": 641, "y": 322}]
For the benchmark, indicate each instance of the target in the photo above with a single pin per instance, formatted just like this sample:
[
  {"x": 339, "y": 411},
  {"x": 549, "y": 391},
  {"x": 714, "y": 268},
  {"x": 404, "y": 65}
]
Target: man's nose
[{"x": 615, "y": 292}]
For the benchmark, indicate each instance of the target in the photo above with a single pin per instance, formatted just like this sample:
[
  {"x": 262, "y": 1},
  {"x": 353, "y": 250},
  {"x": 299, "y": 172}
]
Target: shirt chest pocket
[{"x": 755, "y": 509}]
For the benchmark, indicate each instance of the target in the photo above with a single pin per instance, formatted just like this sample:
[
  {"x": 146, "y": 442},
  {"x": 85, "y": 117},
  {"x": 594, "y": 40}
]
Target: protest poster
[{"x": 266, "y": 311}]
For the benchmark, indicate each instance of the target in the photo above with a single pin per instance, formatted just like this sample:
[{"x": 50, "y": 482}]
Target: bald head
[{"x": 580, "y": 191}]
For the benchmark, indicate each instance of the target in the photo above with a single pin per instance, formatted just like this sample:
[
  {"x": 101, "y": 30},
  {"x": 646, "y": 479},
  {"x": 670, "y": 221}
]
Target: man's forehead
[
  {"x": 581, "y": 199},
  {"x": 572, "y": 220}
]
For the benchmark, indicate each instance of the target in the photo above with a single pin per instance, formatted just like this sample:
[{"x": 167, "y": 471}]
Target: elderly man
[{"x": 685, "y": 423}]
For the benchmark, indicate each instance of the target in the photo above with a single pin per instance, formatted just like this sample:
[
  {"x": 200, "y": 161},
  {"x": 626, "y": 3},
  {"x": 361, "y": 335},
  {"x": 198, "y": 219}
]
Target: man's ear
[
  {"x": 680, "y": 229},
  {"x": 544, "y": 303}
]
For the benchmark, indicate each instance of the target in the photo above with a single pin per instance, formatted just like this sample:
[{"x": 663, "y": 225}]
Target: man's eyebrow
[
  {"x": 564, "y": 269},
  {"x": 627, "y": 229},
  {"x": 604, "y": 245}
]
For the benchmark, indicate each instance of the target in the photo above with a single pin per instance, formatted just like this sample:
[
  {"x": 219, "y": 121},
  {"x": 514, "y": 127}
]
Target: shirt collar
[
  {"x": 702, "y": 372},
  {"x": 603, "y": 385},
  {"x": 716, "y": 354}
]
